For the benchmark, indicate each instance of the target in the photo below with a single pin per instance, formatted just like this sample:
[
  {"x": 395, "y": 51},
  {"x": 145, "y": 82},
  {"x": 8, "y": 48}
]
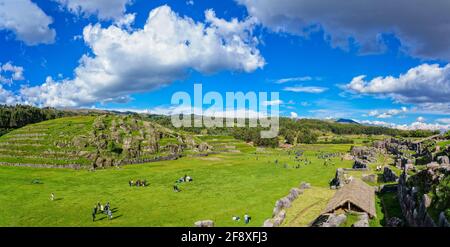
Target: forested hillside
[
  {"x": 298, "y": 130},
  {"x": 13, "y": 117}
]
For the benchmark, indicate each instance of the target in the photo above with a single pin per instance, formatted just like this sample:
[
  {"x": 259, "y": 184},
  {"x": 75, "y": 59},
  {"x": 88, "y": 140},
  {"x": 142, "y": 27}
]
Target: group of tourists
[
  {"x": 247, "y": 218},
  {"x": 185, "y": 178},
  {"x": 138, "y": 183},
  {"x": 100, "y": 209}
]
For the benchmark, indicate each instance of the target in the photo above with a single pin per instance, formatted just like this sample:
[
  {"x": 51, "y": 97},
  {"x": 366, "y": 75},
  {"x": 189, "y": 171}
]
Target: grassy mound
[{"x": 93, "y": 141}]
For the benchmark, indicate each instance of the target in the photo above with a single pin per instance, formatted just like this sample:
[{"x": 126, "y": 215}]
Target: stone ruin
[
  {"x": 339, "y": 179},
  {"x": 414, "y": 204},
  {"x": 443, "y": 160},
  {"x": 389, "y": 175},
  {"x": 370, "y": 178},
  {"x": 364, "y": 153},
  {"x": 363, "y": 221},
  {"x": 120, "y": 140},
  {"x": 402, "y": 162},
  {"x": 360, "y": 164},
  {"x": 434, "y": 166},
  {"x": 334, "y": 221},
  {"x": 394, "y": 222},
  {"x": 279, "y": 211}
]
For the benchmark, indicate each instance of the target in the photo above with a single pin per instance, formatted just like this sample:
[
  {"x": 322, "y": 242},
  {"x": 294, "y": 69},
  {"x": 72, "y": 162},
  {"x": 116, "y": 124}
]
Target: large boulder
[
  {"x": 335, "y": 221},
  {"x": 357, "y": 151},
  {"x": 305, "y": 185},
  {"x": 371, "y": 178},
  {"x": 389, "y": 175},
  {"x": 268, "y": 223},
  {"x": 279, "y": 218},
  {"x": 339, "y": 178},
  {"x": 360, "y": 164},
  {"x": 394, "y": 222},
  {"x": 363, "y": 221},
  {"x": 99, "y": 123},
  {"x": 380, "y": 144},
  {"x": 443, "y": 160},
  {"x": 204, "y": 223}
]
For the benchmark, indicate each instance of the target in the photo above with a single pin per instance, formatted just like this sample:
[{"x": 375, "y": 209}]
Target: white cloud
[
  {"x": 126, "y": 21},
  {"x": 272, "y": 102},
  {"x": 27, "y": 21},
  {"x": 294, "y": 115},
  {"x": 423, "y": 84},
  {"x": 7, "y": 97},
  {"x": 180, "y": 109},
  {"x": 10, "y": 73},
  {"x": 387, "y": 113},
  {"x": 291, "y": 79},
  {"x": 443, "y": 120},
  {"x": 190, "y": 2},
  {"x": 413, "y": 126},
  {"x": 421, "y": 26},
  {"x": 420, "y": 119},
  {"x": 302, "y": 89},
  {"x": 164, "y": 50},
  {"x": 103, "y": 9}
]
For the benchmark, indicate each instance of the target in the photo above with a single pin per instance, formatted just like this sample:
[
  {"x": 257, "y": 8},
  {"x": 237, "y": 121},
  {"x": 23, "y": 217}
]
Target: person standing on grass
[
  {"x": 247, "y": 218},
  {"x": 107, "y": 207},
  {"x": 52, "y": 196},
  {"x": 94, "y": 212},
  {"x": 109, "y": 214}
]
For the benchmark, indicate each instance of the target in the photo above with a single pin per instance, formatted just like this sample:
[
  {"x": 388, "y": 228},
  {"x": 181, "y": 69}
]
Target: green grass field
[
  {"x": 224, "y": 185},
  {"x": 237, "y": 178}
]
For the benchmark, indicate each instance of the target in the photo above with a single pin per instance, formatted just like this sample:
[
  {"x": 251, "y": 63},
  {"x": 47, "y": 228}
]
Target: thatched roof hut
[{"x": 356, "y": 196}]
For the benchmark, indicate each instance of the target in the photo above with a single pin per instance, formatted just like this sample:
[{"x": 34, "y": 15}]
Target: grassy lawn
[
  {"x": 308, "y": 206},
  {"x": 224, "y": 185}
]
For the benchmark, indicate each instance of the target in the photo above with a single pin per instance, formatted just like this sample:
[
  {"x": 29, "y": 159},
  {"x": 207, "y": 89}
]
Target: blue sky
[{"x": 116, "y": 55}]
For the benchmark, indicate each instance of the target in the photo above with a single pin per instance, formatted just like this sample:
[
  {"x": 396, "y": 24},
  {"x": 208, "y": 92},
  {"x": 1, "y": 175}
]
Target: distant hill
[{"x": 344, "y": 121}]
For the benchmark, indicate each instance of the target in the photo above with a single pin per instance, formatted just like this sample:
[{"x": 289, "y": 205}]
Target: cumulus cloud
[
  {"x": 418, "y": 125},
  {"x": 7, "y": 97},
  {"x": 103, "y": 9},
  {"x": 294, "y": 115},
  {"x": 421, "y": 26},
  {"x": 303, "y": 89},
  {"x": 425, "y": 84},
  {"x": 27, "y": 21},
  {"x": 10, "y": 73},
  {"x": 443, "y": 120},
  {"x": 387, "y": 113},
  {"x": 164, "y": 50}
]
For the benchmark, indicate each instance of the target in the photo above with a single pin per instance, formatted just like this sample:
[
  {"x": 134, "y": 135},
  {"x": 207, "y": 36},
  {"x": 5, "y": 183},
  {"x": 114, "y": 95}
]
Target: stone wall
[
  {"x": 414, "y": 206},
  {"x": 71, "y": 166},
  {"x": 279, "y": 211}
]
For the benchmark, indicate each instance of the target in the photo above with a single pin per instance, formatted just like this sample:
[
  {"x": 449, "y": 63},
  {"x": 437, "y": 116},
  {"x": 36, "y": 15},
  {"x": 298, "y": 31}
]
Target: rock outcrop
[{"x": 389, "y": 175}]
